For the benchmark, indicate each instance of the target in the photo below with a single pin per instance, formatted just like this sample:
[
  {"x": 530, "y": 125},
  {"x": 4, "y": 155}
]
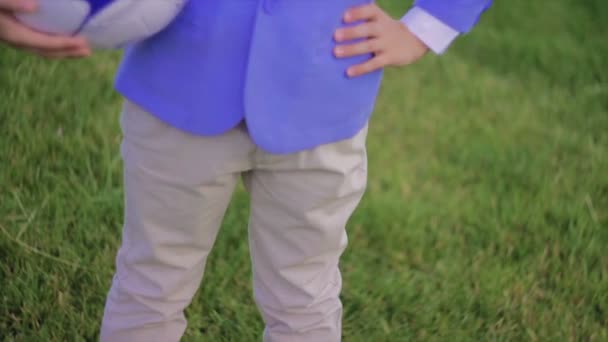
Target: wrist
[{"x": 435, "y": 34}]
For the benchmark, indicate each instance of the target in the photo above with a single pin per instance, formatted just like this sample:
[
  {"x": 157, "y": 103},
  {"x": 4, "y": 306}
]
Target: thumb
[{"x": 18, "y": 5}]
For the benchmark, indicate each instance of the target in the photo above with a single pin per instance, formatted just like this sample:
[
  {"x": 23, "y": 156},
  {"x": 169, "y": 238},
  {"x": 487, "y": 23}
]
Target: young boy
[{"x": 278, "y": 92}]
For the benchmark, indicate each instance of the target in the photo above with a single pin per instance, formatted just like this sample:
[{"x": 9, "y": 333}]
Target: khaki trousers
[{"x": 178, "y": 187}]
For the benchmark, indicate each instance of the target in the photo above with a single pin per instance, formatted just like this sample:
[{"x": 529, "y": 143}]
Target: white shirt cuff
[{"x": 431, "y": 31}]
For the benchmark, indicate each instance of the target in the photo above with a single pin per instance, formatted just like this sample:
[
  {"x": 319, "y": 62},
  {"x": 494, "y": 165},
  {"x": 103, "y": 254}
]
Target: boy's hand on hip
[
  {"x": 389, "y": 40},
  {"x": 13, "y": 33}
]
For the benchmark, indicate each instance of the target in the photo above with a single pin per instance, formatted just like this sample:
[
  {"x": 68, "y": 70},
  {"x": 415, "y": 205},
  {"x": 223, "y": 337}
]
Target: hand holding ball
[{"x": 107, "y": 24}]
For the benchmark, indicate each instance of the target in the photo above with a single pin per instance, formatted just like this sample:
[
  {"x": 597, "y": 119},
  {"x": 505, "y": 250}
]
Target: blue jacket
[{"x": 267, "y": 62}]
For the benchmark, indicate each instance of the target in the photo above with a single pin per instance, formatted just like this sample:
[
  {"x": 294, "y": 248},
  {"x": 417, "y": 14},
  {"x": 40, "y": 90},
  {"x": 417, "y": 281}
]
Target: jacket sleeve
[{"x": 461, "y": 15}]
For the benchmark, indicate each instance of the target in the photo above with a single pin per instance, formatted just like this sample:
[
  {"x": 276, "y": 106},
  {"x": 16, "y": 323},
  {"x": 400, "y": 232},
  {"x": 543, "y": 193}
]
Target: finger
[
  {"x": 372, "y": 65},
  {"x": 361, "y": 48},
  {"x": 18, "y": 5},
  {"x": 61, "y": 54},
  {"x": 17, "y": 34},
  {"x": 365, "y": 30},
  {"x": 365, "y": 13}
]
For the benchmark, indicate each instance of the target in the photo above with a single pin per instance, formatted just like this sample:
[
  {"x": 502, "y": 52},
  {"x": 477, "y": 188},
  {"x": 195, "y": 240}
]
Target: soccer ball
[{"x": 107, "y": 24}]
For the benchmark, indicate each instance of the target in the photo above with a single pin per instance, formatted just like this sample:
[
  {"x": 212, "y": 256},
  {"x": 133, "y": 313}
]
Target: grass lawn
[{"x": 486, "y": 216}]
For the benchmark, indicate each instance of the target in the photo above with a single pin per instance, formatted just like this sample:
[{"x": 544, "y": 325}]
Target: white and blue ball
[{"x": 107, "y": 24}]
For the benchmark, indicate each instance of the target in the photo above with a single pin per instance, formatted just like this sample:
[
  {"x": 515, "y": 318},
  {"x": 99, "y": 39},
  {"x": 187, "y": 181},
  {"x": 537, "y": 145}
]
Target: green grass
[{"x": 486, "y": 216}]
